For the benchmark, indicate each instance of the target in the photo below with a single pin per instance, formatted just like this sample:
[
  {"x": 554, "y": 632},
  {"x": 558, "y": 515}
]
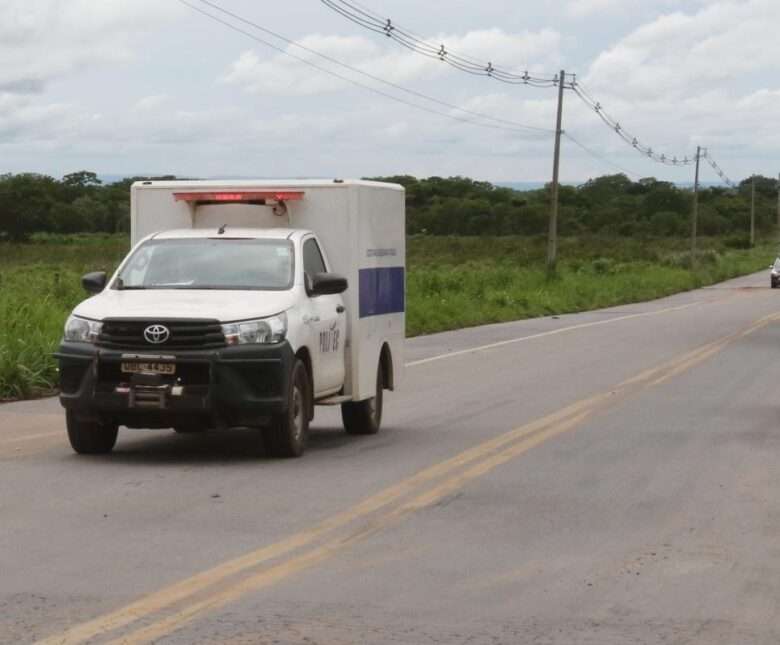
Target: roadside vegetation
[
  {"x": 40, "y": 282},
  {"x": 458, "y": 282},
  {"x": 475, "y": 255}
]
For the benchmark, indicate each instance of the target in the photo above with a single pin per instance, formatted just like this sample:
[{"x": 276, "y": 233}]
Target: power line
[
  {"x": 513, "y": 125},
  {"x": 367, "y": 19},
  {"x": 719, "y": 171},
  {"x": 629, "y": 138},
  {"x": 638, "y": 145},
  {"x": 360, "y": 15}
]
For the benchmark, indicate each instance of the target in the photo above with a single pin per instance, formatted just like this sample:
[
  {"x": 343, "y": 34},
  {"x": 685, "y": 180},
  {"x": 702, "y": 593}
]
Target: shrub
[
  {"x": 602, "y": 266},
  {"x": 739, "y": 241}
]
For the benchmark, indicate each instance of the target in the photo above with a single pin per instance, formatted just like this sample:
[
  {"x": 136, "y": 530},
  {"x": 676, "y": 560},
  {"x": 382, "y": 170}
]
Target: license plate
[{"x": 149, "y": 368}]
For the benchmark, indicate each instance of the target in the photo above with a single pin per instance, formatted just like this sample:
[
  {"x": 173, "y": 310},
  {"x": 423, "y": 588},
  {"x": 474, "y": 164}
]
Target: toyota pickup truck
[{"x": 242, "y": 304}]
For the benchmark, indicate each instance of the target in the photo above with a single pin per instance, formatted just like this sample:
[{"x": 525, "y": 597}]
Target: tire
[
  {"x": 365, "y": 417},
  {"x": 88, "y": 437},
  {"x": 774, "y": 284},
  {"x": 288, "y": 433}
]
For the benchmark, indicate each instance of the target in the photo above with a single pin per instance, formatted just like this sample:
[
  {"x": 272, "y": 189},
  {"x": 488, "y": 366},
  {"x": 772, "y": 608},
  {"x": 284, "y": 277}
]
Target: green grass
[
  {"x": 40, "y": 283},
  {"x": 461, "y": 282},
  {"x": 452, "y": 282}
]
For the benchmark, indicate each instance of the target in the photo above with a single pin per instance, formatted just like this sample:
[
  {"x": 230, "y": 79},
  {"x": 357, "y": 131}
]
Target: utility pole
[
  {"x": 695, "y": 214},
  {"x": 552, "y": 238},
  {"x": 752, "y": 211},
  {"x": 778, "y": 201}
]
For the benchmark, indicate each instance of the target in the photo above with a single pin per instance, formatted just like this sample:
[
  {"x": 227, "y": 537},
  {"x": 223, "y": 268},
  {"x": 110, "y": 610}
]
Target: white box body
[{"x": 361, "y": 227}]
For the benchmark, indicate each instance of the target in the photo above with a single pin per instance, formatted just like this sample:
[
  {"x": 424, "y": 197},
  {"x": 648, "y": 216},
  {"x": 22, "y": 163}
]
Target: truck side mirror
[
  {"x": 322, "y": 284},
  {"x": 94, "y": 282}
]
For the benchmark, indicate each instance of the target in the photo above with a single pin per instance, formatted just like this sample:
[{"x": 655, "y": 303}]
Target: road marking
[
  {"x": 190, "y": 586},
  {"x": 713, "y": 348},
  {"x": 284, "y": 570},
  {"x": 553, "y": 332},
  {"x": 472, "y": 463}
]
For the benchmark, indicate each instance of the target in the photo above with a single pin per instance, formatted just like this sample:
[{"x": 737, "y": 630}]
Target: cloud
[
  {"x": 192, "y": 98},
  {"x": 679, "y": 53},
  {"x": 687, "y": 79},
  {"x": 608, "y": 9},
  {"x": 583, "y": 8},
  {"x": 41, "y": 40},
  {"x": 24, "y": 118},
  {"x": 22, "y": 86},
  {"x": 152, "y": 102}
]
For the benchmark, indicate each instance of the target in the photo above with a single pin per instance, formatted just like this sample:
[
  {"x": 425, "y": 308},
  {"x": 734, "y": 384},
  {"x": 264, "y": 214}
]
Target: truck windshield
[{"x": 209, "y": 263}]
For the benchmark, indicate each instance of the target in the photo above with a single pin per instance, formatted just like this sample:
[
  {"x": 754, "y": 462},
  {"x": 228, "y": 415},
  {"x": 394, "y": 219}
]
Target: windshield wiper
[
  {"x": 171, "y": 285},
  {"x": 121, "y": 286}
]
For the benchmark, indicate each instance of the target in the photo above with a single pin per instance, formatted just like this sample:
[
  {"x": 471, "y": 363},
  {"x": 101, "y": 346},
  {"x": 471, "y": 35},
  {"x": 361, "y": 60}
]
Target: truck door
[{"x": 327, "y": 320}]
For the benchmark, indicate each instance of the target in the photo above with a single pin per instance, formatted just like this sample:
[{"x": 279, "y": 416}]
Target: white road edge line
[{"x": 553, "y": 332}]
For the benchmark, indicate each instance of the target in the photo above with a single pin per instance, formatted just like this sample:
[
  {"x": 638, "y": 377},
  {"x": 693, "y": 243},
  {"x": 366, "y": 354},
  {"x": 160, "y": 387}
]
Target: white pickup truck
[{"x": 242, "y": 303}]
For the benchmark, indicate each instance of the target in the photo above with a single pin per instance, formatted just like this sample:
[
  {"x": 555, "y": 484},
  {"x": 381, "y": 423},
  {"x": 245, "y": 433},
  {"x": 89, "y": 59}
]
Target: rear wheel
[
  {"x": 89, "y": 436},
  {"x": 288, "y": 432},
  {"x": 365, "y": 417}
]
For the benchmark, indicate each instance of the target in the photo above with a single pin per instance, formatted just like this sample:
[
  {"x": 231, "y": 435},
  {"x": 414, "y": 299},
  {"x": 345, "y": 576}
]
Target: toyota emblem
[{"x": 157, "y": 334}]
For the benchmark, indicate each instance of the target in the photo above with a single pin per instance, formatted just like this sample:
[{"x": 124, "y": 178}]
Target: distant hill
[{"x": 520, "y": 185}]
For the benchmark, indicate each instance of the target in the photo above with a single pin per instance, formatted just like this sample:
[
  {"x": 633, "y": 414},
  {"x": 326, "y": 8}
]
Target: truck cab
[{"x": 215, "y": 326}]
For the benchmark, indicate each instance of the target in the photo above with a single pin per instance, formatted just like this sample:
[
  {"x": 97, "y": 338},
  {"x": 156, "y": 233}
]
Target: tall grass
[
  {"x": 40, "y": 283},
  {"x": 452, "y": 282},
  {"x": 461, "y": 282}
]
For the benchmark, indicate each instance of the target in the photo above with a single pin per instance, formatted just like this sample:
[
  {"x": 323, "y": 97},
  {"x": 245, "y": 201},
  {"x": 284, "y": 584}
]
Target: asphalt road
[{"x": 600, "y": 478}]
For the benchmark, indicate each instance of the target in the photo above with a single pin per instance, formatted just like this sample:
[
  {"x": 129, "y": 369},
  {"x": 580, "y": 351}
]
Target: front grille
[{"x": 184, "y": 334}]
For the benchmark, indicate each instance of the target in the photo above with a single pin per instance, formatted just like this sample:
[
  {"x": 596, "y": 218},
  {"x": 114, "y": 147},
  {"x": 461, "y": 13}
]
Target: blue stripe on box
[{"x": 381, "y": 291}]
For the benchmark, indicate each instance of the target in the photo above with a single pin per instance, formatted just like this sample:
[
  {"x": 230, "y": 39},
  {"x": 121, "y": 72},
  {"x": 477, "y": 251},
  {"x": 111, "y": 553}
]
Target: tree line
[{"x": 610, "y": 205}]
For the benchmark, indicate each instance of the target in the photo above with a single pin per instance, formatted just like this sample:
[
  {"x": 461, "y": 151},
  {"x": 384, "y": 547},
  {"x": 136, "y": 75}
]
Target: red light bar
[{"x": 241, "y": 196}]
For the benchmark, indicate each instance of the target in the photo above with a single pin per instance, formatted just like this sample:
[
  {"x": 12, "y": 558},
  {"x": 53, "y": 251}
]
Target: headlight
[
  {"x": 262, "y": 331},
  {"x": 81, "y": 330}
]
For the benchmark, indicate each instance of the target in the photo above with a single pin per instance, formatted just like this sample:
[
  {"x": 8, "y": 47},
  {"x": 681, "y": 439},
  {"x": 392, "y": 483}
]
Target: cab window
[{"x": 312, "y": 258}]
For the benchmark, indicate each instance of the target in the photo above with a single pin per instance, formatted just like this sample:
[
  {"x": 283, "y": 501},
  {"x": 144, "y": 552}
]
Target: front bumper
[{"x": 230, "y": 386}]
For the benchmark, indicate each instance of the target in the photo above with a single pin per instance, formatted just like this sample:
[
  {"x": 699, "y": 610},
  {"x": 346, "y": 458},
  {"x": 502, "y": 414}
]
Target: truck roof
[
  {"x": 229, "y": 233},
  {"x": 265, "y": 183}
]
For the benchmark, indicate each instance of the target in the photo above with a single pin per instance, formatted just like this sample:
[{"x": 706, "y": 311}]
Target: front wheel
[
  {"x": 289, "y": 431},
  {"x": 90, "y": 437},
  {"x": 365, "y": 417}
]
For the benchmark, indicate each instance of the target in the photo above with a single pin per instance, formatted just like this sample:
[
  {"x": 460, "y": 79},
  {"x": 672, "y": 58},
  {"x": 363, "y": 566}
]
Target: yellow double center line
[{"x": 180, "y": 603}]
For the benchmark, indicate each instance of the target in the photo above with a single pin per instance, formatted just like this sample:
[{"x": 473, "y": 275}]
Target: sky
[{"x": 124, "y": 87}]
